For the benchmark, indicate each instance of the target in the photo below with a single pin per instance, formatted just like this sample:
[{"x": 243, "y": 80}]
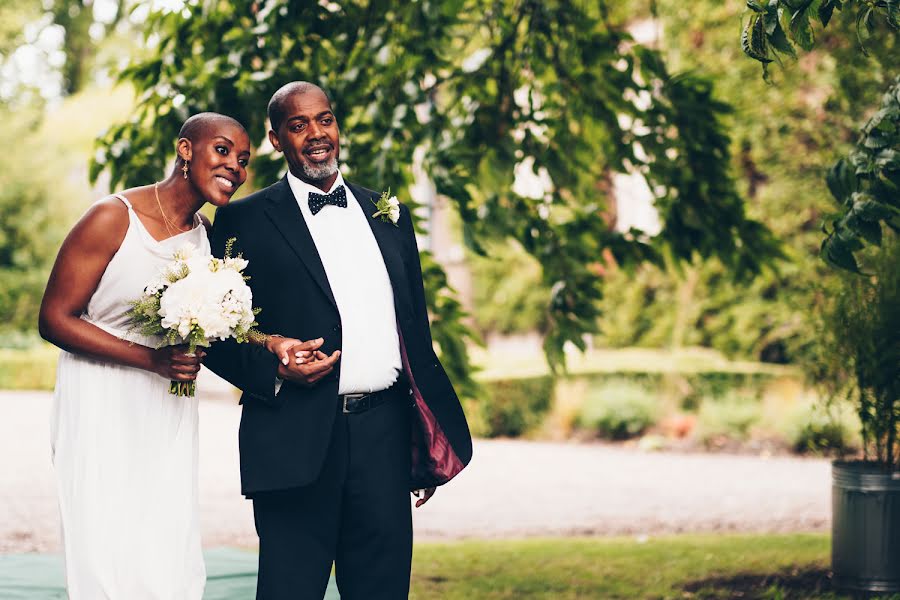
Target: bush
[
  {"x": 688, "y": 390},
  {"x": 512, "y": 407},
  {"x": 619, "y": 410},
  {"x": 730, "y": 417}
]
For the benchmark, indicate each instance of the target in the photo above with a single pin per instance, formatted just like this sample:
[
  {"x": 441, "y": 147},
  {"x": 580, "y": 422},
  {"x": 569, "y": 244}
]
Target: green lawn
[
  {"x": 725, "y": 566},
  {"x": 760, "y": 567}
]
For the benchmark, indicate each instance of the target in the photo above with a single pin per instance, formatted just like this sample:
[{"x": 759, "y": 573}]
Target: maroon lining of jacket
[{"x": 440, "y": 461}]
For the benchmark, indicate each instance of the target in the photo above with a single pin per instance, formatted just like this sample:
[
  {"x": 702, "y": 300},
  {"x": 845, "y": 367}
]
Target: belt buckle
[{"x": 347, "y": 397}]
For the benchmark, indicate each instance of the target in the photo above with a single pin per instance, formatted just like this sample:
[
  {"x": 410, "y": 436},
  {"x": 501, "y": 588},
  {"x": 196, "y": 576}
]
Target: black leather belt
[{"x": 357, "y": 403}]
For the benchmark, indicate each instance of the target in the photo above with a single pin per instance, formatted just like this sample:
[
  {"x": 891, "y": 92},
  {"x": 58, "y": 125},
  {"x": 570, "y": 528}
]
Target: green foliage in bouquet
[{"x": 144, "y": 313}]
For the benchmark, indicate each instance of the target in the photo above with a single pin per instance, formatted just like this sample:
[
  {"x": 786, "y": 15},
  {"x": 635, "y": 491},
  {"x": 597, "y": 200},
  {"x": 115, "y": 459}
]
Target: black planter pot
[{"x": 865, "y": 527}]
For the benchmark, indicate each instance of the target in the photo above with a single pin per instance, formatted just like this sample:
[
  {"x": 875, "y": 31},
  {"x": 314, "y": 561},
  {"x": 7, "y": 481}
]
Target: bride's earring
[{"x": 185, "y": 167}]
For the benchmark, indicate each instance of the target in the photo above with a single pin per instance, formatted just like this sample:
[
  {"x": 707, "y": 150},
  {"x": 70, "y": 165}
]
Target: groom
[{"x": 330, "y": 449}]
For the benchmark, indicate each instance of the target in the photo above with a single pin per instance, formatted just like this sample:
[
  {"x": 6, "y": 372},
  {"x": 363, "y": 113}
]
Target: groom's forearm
[{"x": 248, "y": 367}]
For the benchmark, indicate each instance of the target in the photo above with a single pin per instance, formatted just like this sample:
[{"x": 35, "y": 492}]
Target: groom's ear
[
  {"x": 184, "y": 149},
  {"x": 273, "y": 139}
]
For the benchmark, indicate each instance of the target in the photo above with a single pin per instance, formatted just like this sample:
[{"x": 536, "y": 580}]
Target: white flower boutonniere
[{"x": 388, "y": 208}]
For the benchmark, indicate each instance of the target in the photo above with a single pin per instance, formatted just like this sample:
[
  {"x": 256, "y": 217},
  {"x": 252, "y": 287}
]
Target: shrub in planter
[
  {"x": 862, "y": 358},
  {"x": 864, "y": 344}
]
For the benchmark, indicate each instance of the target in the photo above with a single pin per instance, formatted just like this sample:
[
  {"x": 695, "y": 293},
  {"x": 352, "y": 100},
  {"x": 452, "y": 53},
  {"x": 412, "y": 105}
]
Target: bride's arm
[{"x": 80, "y": 264}]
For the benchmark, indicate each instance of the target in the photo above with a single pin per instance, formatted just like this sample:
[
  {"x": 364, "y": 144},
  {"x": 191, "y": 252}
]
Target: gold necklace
[{"x": 169, "y": 224}]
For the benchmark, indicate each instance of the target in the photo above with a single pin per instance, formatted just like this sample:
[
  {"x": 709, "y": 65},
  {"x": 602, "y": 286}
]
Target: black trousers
[{"x": 356, "y": 515}]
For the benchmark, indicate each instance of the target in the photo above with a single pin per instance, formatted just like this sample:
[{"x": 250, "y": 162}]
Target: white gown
[{"x": 125, "y": 451}]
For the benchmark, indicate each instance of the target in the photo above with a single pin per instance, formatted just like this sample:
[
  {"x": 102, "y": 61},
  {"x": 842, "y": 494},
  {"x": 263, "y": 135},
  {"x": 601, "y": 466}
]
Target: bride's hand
[
  {"x": 174, "y": 363},
  {"x": 293, "y": 350}
]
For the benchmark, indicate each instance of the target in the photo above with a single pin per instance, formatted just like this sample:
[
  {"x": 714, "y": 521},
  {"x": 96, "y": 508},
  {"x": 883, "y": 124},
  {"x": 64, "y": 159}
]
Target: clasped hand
[{"x": 302, "y": 362}]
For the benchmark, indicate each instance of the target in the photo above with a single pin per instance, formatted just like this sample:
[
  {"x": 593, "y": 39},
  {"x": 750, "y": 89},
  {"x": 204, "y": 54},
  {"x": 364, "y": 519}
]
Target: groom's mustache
[{"x": 317, "y": 145}]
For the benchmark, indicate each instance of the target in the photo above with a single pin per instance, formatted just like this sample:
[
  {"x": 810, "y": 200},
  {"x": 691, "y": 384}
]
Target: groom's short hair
[
  {"x": 275, "y": 108},
  {"x": 197, "y": 125}
]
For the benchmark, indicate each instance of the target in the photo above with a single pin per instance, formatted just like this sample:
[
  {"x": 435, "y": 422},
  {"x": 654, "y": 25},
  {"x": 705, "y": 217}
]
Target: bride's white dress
[{"x": 125, "y": 451}]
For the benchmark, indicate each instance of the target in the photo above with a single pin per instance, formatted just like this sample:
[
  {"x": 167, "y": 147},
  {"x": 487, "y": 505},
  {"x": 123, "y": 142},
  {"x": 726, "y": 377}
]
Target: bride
[{"x": 124, "y": 449}]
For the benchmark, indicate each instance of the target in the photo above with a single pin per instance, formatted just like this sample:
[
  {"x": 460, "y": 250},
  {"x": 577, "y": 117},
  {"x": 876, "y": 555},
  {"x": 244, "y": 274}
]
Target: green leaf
[
  {"x": 893, "y": 13},
  {"x": 841, "y": 181},
  {"x": 888, "y": 159},
  {"x": 755, "y": 5},
  {"x": 771, "y": 17},
  {"x": 753, "y": 39},
  {"x": 838, "y": 254},
  {"x": 864, "y": 18},
  {"x": 867, "y": 208},
  {"x": 826, "y": 9},
  {"x": 780, "y": 41},
  {"x": 801, "y": 30},
  {"x": 870, "y": 230}
]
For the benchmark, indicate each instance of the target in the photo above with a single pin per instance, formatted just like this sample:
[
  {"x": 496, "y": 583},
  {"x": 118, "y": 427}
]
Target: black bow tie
[{"x": 318, "y": 201}]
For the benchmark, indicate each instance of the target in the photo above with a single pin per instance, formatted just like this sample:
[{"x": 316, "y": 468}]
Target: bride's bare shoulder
[{"x": 105, "y": 222}]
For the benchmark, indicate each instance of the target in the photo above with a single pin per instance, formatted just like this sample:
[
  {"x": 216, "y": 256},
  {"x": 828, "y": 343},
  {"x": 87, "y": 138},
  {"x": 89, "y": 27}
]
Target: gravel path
[{"x": 511, "y": 489}]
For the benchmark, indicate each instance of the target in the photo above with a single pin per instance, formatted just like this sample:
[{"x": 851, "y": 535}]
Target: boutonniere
[{"x": 388, "y": 208}]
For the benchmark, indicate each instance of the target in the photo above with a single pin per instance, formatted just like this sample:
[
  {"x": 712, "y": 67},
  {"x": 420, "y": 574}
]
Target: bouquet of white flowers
[{"x": 195, "y": 299}]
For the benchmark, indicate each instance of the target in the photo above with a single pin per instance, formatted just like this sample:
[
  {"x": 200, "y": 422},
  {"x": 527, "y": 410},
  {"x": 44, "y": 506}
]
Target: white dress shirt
[{"x": 370, "y": 345}]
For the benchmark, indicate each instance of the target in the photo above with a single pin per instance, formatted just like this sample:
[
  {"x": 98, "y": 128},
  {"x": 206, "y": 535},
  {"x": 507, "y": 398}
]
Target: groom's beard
[{"x": 320, "y": 172}]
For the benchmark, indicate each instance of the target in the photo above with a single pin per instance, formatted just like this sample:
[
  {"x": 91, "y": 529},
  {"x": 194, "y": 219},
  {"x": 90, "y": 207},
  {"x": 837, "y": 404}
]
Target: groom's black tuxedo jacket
[{"x": 284, "y": 438}]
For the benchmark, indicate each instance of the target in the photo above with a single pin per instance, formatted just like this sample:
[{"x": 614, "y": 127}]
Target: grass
[{"x": 691, "y": 566}]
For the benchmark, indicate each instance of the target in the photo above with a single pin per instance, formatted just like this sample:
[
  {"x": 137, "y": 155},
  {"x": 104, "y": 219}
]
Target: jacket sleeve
[{"x": 249, "y": 367}]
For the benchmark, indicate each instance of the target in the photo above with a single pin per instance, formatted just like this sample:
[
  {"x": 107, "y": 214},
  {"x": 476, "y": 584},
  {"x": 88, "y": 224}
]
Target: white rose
[
  {"x": 394, "y": 214},
  {"x": 199, "y": 263},
  {"x": 236, "y": 264},
  {"x": 393, "y": 202}
]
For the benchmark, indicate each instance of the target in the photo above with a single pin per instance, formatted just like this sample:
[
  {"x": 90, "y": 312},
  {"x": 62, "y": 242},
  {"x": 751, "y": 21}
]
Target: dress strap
[{"x": 124, "y": 200}]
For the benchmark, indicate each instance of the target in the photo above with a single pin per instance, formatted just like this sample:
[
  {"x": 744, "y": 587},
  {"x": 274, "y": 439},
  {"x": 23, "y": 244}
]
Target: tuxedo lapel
[
  {"x": 287, "y": 218},
  {"x": 387, "y": 235}
]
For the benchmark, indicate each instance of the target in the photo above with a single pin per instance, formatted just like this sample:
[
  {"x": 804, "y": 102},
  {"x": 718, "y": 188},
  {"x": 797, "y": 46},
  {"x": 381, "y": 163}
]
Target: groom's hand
[
  {"x": 427, "y": 493},
  {"x": 292, "y": 350},
  {"x": 309, "y": 366}
]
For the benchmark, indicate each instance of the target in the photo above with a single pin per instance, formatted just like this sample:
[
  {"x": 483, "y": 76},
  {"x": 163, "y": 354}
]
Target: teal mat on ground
[{"x": 230, "y": 575}]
